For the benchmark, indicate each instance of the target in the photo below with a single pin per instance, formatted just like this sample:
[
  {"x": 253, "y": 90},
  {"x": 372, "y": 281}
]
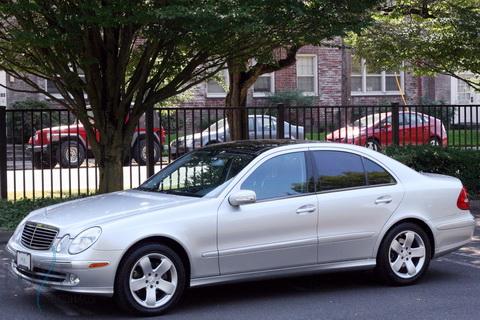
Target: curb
[{"x": 5, "y": 236}]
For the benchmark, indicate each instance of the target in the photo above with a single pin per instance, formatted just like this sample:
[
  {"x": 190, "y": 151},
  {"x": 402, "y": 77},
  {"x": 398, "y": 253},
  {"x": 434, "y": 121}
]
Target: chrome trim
[
  {"x": 346, "y": 237},
  {"x": 37, "y": 236},
  {"x": 269, "y": 246}
]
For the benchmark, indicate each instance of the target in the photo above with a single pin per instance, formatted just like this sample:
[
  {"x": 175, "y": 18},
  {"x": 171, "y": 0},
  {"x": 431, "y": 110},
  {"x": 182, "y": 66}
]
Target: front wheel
[
  {"x": 151, "y": 280},
  {"x": 435, "y": 141},
  {"x": 404, "y": 254},
  {"x": 71, "y": 154}
]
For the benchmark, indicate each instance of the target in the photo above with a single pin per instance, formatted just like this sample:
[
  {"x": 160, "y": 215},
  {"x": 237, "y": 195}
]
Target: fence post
[
  {"x": 3, "y": 153},
  {"x": 281, "y": 121},
  {"x": 150, "y": 142},
  {"x": 395, "y": 124}
]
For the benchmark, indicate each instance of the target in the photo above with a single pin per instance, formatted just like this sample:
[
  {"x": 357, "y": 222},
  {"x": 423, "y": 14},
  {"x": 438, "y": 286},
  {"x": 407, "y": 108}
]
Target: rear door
[{"x": 356, "y": 197}]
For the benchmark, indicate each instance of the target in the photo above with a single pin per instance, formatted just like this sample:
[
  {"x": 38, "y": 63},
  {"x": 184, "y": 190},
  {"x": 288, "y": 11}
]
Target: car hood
[{"x": 75, "y": 216}]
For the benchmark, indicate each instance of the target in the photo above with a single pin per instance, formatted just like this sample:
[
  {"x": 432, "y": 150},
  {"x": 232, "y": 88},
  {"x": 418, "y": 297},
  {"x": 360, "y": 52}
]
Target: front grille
[{"x": 38, "y": 236}]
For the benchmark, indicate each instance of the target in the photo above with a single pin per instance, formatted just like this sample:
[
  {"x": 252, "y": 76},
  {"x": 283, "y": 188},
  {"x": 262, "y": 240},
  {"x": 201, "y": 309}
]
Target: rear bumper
[{"x": 453, "y": 234}]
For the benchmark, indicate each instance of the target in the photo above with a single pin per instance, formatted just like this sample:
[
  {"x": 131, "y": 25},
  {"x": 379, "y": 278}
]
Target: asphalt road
[{"x": 450, "y": 290}]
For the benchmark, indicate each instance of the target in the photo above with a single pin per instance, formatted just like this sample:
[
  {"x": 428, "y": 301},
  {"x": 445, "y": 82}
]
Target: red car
[
  {"x": 68, "y": 145},
  {"x": 375, "y": 131}
]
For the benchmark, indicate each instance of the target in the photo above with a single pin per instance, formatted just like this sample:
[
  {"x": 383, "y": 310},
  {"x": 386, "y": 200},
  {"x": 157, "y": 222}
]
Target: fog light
[{"x": 73, "y": 279}]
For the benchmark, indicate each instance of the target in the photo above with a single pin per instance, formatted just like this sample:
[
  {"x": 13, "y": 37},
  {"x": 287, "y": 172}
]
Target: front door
[{"x": 279, "y": 230}]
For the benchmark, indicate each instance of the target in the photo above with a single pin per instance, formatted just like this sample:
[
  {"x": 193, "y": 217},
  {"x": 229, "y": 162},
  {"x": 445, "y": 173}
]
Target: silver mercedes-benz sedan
[{"x": 242, "y": 211}]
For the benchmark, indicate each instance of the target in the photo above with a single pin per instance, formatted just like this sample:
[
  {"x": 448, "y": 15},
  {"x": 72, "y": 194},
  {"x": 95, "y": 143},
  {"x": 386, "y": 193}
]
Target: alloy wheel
[
  {"x": 153, "y": 280},
  {"x": 407, "y": 254}
]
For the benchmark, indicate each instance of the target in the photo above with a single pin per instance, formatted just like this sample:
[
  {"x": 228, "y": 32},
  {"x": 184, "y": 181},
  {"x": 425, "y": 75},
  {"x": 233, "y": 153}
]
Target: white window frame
[
  {"x": 315, "y": 74},
  {"x": 272, "y": 86},
  {"x": 383, "y": 75},
  {"x": 217, "y": 94}
]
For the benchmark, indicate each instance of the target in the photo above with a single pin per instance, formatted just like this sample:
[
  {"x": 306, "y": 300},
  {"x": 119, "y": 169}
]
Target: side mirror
[{"x": 242, "y": 197}]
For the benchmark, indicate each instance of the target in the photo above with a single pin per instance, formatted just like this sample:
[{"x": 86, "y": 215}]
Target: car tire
[
  {"x": 43, "y": 161},
  {"x": 404, "y": 255},
  {"x": 140, "y": 154},
  {"x": 71, "y": 154},
  {"x": 434, "y": 141},
  {"x": 134, "y": 270},
  {"x": 373, "y": 144}
]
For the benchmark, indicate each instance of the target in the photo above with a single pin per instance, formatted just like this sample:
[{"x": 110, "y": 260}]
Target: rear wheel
[
  {"x": 151, "y": 280},
  {"x": 434, "y": 141},
  {"x": 71, "y": 154},
  {"x": 373, "y": 144},
  {"x": 140, "y": 152},
  {"x": 404, "y": 254}
]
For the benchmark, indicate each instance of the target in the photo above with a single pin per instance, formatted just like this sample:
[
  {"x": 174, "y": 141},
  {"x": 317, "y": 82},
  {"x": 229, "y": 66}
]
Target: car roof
[{"x": 255, "y": 147}]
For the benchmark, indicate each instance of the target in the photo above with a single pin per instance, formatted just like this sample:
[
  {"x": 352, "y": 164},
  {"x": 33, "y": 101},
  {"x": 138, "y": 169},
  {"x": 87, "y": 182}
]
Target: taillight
[{"x": 462, "y": 202}]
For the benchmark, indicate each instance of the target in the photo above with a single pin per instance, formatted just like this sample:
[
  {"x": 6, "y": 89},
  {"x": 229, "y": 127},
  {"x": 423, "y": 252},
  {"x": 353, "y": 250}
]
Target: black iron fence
[{"x": 45, "y": 152}]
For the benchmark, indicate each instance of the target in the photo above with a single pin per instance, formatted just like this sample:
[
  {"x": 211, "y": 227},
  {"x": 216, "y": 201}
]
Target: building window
[
  {"x": 215, "y": 87},
  {"x": 307, "y": 74},
  {"x": 264, "y": 85},
  {"x": 366, "y": 80}
]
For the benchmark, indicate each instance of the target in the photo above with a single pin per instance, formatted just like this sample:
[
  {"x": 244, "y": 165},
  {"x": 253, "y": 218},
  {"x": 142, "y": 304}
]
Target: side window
[
  {"x": 281, "y": 176},
  {"x": 338, "y": 170},
  {"x": 376, "y": 174}
]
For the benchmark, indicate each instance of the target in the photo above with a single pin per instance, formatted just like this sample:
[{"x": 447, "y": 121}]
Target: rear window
[{"x": 376, "y": 174}]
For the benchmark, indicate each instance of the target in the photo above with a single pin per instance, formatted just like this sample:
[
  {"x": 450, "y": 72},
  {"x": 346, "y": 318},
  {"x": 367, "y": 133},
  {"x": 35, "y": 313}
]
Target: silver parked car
[
  {"x": 259, "y": 127},
  {"x": 245, "y": 210}
]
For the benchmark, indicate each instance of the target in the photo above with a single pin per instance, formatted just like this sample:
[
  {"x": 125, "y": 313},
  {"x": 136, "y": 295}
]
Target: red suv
[
  {"x": 68, "y": 145},
  {"x": 375, "y": 131}
]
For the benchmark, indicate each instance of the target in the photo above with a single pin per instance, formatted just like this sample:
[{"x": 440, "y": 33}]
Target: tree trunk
[
  {"x": 110, "y": 154},
  {"x": 236, "y": 99}
]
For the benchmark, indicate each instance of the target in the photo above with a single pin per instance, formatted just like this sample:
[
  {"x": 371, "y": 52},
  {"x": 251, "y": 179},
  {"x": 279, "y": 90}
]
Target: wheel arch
[
  {"x": 169, "y": 242},
  {"x": 416, "y": 220}
]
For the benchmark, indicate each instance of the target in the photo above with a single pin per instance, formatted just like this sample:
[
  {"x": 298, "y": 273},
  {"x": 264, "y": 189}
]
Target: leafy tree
[
  {"x": 119, "y": 57},
  {"x": 430, "y": 36},
  {"x": 277, "y": 30}
]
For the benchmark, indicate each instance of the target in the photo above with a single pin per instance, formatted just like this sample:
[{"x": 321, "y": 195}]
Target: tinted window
[
  {"x": 338, "y": 170},
  {"x": 282, "y": 176},
  {"x": 376, "y": 174}
]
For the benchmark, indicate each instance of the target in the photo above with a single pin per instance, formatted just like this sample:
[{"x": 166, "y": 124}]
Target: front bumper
[
  {"x": 37, "y": 148},
  {"x": 67, "y": 272}
]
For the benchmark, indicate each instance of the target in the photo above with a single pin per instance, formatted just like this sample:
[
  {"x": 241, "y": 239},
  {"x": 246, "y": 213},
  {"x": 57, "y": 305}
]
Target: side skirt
[{"x": 285, "y": 272}]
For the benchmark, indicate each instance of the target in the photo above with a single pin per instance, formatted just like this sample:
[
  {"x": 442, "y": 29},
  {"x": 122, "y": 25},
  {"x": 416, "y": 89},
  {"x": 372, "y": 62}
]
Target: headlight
[
  {"x": 62, "y": 244},
  {"x": 84, "y": 240}
]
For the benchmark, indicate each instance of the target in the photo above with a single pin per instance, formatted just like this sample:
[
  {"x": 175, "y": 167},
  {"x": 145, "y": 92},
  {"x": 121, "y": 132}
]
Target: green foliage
[
  {"x": 460, "y": 163},
  {"x": 292, "y": 98},
  {"x": 11, "y": 213},
  {"x": 21, "y": 128},
  {"x": 430, "y": 36}
]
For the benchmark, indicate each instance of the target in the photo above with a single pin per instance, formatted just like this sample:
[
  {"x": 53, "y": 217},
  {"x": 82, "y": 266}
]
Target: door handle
[
  {"x": 383, "y": 199},
  {"x": 306, "y": 209}
]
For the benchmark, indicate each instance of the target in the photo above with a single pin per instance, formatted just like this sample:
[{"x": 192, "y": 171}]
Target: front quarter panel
[{"x": 193, "y": 226}]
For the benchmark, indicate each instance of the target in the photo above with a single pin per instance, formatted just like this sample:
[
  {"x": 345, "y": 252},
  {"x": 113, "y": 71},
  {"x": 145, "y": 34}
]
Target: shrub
[
  {"x": 11, "y": 213},
  {"x": 460, "y": 163}
]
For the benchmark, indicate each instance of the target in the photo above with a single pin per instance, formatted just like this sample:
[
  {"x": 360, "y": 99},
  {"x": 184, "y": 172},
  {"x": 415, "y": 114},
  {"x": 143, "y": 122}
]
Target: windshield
[
  {"x": 368, "y": 120},
  {"x": 198, "y": 173}
]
